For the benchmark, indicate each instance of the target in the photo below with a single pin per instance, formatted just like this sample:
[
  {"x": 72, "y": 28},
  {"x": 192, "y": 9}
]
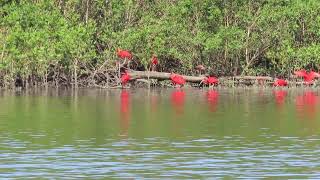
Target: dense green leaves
[{"x": 230, "y": 37}]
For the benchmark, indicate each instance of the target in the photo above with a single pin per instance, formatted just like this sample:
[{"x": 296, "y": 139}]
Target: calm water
[{"x": 160, "y": 134}]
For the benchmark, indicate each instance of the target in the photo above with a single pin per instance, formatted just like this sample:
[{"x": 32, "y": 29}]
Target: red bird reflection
[
  {"x": 212, "y": 99},
  {"x": 306, "y": 105},
  {"x": 124, "y": 112},
  {"x": 280, "y": 97},
  {"x": 178, "y": 100}
]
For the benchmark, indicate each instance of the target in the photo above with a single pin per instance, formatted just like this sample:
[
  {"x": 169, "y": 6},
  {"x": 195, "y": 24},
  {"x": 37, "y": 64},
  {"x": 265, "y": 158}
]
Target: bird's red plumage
[
  {"x": 154, "y": 60},
  {"x": 301, "y": 73},
  {"x": 210, "y": 80},
  {"x": 307, "y": 77},
  {"x": 123, "y": 54},
  {"x": 125, "y": 78},
  {"x": 280, "y": 82},
  {"x": 177, "y": 79}
]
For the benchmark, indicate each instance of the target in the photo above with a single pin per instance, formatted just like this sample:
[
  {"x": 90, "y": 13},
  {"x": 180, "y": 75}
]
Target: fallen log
[
  {"x": 266, "y": 78},
  {"x": 144, "y": 76},
  {"x": 193, "y": 79},
  {"x": 161, "y": 76}
]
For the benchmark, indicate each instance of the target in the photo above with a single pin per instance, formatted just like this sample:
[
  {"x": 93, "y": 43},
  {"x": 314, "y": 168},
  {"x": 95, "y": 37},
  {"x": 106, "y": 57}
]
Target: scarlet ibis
[
  {"x": 210, "y": 80},
  {"x": 154, "y": 60},
  {"x": 177, "y": 79},
  {"x": 125, "y": 78},
  {"x": 308, "y": 77},
  {"x": 200, "y": 68},
  {"x": 280, "y": 82},
  {"x": 124, "y": 54}
]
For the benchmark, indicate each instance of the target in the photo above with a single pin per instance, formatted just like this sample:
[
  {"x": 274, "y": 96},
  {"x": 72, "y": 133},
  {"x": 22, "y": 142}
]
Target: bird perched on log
[
  {"x": 200, "y": 68},
  {"x": 177, "y": 80},
  {"x": 211, "y": 81},
  {"x": 280, "y": 83},
  {"x": 154, "y": 62},
  {"x": 124, "y": 55},
  {"x": 125, "y": 78},
  {"x": 307, "y": 77}
]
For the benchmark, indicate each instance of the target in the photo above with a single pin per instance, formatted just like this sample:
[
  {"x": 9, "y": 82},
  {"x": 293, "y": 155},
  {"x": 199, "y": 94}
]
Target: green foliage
[
  {"x": 254, "y": 37},
  {"x": 37, "y": 35}
]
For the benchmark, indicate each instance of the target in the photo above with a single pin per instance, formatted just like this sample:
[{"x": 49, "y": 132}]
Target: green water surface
[{"x": 164, "y": 133}]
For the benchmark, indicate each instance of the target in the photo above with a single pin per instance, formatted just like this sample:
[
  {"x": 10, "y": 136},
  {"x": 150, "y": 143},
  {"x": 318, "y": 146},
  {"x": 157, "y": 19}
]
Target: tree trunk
[
  {"x": 75, "y": 75},
  {"x": 193, "y": 79},
  {"x": 87, "y": 11}
]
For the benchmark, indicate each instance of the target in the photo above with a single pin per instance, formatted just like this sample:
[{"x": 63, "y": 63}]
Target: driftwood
[
  {"x": 266, "y": 78},
  {"x": 193, "y": 79},
  {"x": 161, "y": 76}
]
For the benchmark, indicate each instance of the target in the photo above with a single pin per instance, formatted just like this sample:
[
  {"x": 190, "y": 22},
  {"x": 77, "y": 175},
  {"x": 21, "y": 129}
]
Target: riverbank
[{"x": 109, "y": 79}]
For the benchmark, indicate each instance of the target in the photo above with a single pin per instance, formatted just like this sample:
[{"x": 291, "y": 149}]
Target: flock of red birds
[
  {"x": 176, "y": 79},
  {"x": 179, "y": 80},
  {"x": 308, "y": 78}
]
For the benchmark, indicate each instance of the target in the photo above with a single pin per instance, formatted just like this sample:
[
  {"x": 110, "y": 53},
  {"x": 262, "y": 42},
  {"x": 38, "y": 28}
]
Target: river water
[{"x": 163, "y": 133}]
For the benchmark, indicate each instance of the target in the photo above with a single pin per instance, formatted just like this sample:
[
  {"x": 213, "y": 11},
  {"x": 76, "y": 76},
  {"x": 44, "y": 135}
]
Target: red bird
[
  {"x": 154, "y": 60},
  {"x": 177, "y": 79},
  {"x": 125, "y": 78},
  {"x": 200, "y": 67},
  {"x": 307, "y": 77},
  {"x": 210, "y": 80},
  {"x": 280, "y": 82},
  {"x": 123, "y": 54}
]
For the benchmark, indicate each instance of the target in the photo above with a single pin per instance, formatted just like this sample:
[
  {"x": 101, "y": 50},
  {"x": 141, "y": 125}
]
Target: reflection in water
[
  {"x": 280, "y": 96},
  {"x": 60, "y": 136},
  {"x": 212, "y": 99},
  {"x": 154, "y": 102},
  {"x": 124, "y": 112},
  {"x": 178, "y": 100},
  {"x": 306, "y": 105}
]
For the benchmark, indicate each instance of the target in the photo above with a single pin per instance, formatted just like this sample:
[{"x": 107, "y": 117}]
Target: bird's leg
[
  {"x": 201, "y": 82},
  {"x": 128, "y": 64},
  {"x": 149, "y": 77}
]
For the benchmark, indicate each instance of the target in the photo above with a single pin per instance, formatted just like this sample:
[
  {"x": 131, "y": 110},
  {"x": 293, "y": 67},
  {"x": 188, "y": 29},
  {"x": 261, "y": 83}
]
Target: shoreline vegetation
[{"x": 74, "y": 43}]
